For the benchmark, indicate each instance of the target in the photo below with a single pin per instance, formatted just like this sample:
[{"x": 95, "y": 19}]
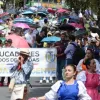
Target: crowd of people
[{"x": 78, "y": 55}]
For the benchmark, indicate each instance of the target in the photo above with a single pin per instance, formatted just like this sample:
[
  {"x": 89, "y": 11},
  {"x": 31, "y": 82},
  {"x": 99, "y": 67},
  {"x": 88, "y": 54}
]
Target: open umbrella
[
  {"x": 42, "y": 14},
  {"x": 74, "y": 17},
  {"x": 34, "y": 8},
  {"x": 50, "y": 10},
  {"x": 80, "y": 32},
  {"x": 95, "y": 30},
  {"x": 66, "y": 27},
  {"x": 76, "y": 25},
  {"x": 18, "y": 41},
  {"x": 21, "y": 25},
  {"x": 62, "y": 11},
  {"x": 3, "y": 39},
  {"x": 23, "y": 20},
  {"x": 51, "y": 39},
  {"x": 26, "y": 12}
]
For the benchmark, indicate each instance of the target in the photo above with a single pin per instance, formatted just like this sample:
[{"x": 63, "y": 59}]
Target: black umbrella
[
  {"x": 80, "y": 32},
  {"x": 95, "y": 30},
  {"x": 66, "y": 27}
]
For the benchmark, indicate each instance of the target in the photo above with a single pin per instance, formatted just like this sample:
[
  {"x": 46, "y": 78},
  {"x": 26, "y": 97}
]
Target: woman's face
[
  {"x": 89, "y": 54},
  {"x": 92, "y": 65},
  {"x": 69, "y": 72}
]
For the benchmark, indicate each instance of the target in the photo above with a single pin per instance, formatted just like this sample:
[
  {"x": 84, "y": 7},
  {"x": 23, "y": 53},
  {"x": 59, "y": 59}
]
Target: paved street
[{"x": 37, "y": 89}]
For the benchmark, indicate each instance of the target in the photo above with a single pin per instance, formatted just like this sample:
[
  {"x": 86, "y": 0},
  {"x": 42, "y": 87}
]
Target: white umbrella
[{"x": 34, "y": 8}]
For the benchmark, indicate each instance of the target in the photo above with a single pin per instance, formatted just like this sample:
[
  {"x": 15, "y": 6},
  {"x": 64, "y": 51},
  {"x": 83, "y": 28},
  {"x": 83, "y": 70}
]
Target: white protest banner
[{"x": 44, "y": 61}]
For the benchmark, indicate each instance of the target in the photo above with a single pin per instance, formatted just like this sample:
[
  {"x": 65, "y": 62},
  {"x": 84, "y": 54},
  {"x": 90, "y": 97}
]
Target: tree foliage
[{"x": 84, "y": 4}]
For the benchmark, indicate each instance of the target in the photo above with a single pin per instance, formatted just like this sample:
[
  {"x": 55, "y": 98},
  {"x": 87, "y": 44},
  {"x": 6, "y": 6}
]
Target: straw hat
[{"x": 25, "y": 51}]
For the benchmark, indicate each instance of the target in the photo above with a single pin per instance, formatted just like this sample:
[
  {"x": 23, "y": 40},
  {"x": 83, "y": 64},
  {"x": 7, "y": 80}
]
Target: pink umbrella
[
  {"x": 62, "y": 11},
  {"x": 76, "y": 25},
  {"x": 18, "y": 41},
  {"x": 21, "y": 25}
]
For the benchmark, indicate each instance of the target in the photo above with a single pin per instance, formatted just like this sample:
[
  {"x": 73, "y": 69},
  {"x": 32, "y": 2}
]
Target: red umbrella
[
  {"x": 18, "y": 41},
  {"x": 76, "y": 25},
  {"x": 50, "y": 10},
  {"x": 62, "y": 11}
]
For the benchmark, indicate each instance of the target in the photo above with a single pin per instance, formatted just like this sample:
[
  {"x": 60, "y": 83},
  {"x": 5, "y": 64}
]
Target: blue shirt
[{"x": 22, "y": 76}]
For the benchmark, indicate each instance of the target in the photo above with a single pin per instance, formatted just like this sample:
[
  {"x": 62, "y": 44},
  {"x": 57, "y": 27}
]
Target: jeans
[{"x": 60, "y": 66}]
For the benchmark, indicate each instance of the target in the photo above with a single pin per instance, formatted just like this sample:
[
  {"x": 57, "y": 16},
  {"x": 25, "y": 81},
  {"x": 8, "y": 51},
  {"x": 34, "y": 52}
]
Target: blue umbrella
[
  {"x": 25, "y": 20},
  {"x": 74, "y": 17},
  {"x": 26, "y": 12},
  {"x": 51, "y": 39}
]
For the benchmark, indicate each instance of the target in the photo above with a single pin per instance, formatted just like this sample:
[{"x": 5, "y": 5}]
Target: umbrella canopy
[
  {"x": 26, "y": 12},
  {"x": 1, "y": 3},
  {"x": 95, "y": 30},
  {"x": 34, "y": 8},
  {"x": 4, "y": 14},
  {"x": 76, "y": 25},
  {"x": 3, "y": 39},
  {"x": 21, "y": 25},
  {"x": 66, "y": 27},
  {"x": 23, "y": 20},
  {"x": 62, "y": 11},
  {"x": 18, "y": 41},
  {"x": 42, "y": 14},
  {"x": 51, "y": 39},
  {"x": 74, "y": 17},
  {"x": 80, "y": 32},
  {"x": 50, "y": 10}
]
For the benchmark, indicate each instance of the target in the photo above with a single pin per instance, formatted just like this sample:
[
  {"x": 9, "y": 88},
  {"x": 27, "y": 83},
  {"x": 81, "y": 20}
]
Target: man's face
[{"x": 62, "y": 37}]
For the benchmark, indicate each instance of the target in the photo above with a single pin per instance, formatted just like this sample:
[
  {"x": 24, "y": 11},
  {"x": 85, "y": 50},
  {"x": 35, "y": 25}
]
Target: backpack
[{"x": 78, "y": 54}]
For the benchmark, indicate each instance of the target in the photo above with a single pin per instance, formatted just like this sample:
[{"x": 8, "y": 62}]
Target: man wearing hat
[{"x": 21, "y": 73}]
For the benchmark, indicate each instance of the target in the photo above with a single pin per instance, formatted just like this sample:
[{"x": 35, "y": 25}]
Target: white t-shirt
[{"x": 29, "y": 38}]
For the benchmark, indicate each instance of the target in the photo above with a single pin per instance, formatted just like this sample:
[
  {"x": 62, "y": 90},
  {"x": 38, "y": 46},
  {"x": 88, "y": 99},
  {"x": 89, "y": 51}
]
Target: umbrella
[
  {"x": 50, "y": 10},
  {"x": 62, "y": 11},
  {"x": 95, "y": 30},
  {"x": 24, "y": 20},
  {"x": 21, "y": 25},
  {"x": 66, "y": 27},
  {"x": 74, "y": 17},
  {"x": 80, "y": 32},
  {"x": 76, "y": 25},
  {"x": 4, "y": 14},
  {"x": 34, "y": 8},
  {"x": 51, "y": 39},
  {"x": 18, "y": 41},
  {"x": 26, "y": 12},
  {"x": 1, "y": 3},
  {"x": 42, "y": 14},
  {"x": 3, "y": 39}
]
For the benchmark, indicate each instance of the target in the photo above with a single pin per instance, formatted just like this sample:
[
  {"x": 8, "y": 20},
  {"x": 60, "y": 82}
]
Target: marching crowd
[{"x": 78, "y": 58}]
